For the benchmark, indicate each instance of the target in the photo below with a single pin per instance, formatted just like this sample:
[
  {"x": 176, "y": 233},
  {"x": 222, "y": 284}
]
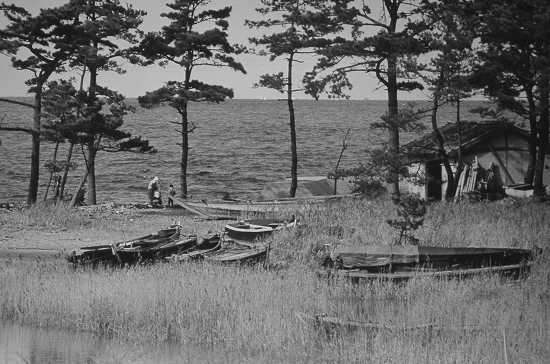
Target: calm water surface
[
  {"x": 238, "y": 146},
  {"x": 27, "y": 345}
]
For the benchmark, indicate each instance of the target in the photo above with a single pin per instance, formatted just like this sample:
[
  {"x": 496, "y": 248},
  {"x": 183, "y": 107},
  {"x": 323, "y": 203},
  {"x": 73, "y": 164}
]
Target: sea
[{"x": 237, "y": 147}]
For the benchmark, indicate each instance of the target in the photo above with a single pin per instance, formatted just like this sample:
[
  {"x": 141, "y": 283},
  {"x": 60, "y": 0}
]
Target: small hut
[{"x": 497, "y": 145}]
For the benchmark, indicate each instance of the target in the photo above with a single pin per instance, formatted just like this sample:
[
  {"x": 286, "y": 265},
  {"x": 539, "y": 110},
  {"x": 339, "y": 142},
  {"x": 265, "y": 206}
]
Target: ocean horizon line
[{"x": 284, "y": 99}]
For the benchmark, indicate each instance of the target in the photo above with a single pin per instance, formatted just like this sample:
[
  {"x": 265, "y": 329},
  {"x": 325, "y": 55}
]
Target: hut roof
[{"x": 473, "y": 134}]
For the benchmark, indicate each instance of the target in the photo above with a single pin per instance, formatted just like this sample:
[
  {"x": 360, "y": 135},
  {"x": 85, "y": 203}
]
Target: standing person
[
  {"x": 172, "y": 193},
  {"x": 153, "y": 191}
]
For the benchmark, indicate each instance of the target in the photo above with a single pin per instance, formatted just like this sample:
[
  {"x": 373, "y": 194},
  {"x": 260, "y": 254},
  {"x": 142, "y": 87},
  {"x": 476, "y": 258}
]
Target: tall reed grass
[{"x": 255, "y": 312}]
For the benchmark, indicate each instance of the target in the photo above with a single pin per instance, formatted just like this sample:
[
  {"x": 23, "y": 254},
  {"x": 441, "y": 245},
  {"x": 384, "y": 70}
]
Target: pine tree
[
  {"x": 41, "y": 44},
  {"x": 188, "y": 42},
  {"x": 107, "y": 31},
  {"x": 447, "y": 74},
  {"x": 379, "y": 44},
  {"x": 304, "y": 26},
  {"x": 60, "y": 105}
]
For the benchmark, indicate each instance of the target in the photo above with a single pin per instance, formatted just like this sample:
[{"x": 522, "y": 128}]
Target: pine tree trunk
[
  {"x": 80, "y": 186},
  {"x": 71, "y": 147},
  {"x": 91, "y": 147},
  {"x": 293, "y": 149},
  {"x": 54, "y": 159},
  {"x": 393, "y": 128},
  {"x": 65, "y": 173},
  {"x": 184, "y": 151},
  {"x": 91, "y": 174},
  {"x": 530, "y": 173},
  {"x": 441, "y": 148},
  {"x": 543, "y": 130},
  {"x": 393, "y": 108},
  {"x": 35, "y": 153}
]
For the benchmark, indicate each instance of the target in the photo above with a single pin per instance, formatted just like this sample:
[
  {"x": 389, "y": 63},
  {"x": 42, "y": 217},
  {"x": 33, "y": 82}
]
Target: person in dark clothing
[{"x": 172, "y": 193}]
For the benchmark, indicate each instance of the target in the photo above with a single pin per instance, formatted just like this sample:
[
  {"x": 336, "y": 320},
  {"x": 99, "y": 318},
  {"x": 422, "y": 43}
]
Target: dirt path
[{"x": 30, "y": 239}]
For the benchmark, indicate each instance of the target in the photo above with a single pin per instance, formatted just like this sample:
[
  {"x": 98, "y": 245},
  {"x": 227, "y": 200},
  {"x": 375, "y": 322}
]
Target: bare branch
[{"x": 379, "y": 72}]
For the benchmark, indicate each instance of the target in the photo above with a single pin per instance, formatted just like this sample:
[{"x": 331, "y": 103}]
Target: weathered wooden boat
[
  {"x": 129, "y": 251},
  {"x": 237, "y": 254},
  {"x": 512, "y": 271},
  {"x": 203, "y": 246},
  {"x": 402, "y": 263},
  {"x": 251, "y": 230},
  {"x": 231, "y": 210},
  {"x": 169, "y": 234},
  {"x": 387, "y": 258},
  {"x": 142, "y": 253}
]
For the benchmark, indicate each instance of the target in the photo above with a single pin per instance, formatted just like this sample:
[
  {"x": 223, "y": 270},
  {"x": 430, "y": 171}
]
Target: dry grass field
[{"x": 253, "y": 314}]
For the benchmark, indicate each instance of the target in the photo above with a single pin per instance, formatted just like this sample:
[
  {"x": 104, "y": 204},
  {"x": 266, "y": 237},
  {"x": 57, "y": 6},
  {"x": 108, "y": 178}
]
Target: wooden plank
[
  {"x": 461, "y": 179},
  {"x": 473, "y": 176}
]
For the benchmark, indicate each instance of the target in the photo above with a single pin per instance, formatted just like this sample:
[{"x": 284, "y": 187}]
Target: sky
[{"x": 138, "y": 80}]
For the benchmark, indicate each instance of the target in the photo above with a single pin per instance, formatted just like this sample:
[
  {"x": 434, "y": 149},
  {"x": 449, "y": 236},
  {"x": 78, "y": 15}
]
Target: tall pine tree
[
  {"x": 300, "y": 27},
  {"x": 377, "y": 43},
  {"x": 108, "y": 29},
  {"x": 195, "y": 37},
  {"x": 41, "y": 44}
]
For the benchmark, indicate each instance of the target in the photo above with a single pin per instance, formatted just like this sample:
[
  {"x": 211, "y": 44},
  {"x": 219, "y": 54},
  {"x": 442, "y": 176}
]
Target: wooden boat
[
  {"x": 387, "y": 258},
  {"x": 128, "y": 251},
  {"x": 230, "y": 210},
  {"x": 204, "y": 246},
  {"x": 233, "y": 253},
  {"x": 142, "y": 253},
  {"x": 169, "y": 234},
  {"x": 512, "y": 271},
  {"x": 405, "y": 262},
  {"x": 251, "y": 230}
]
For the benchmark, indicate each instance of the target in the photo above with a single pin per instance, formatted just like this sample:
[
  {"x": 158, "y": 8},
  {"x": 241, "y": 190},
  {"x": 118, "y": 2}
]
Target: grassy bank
[{"x": 254, "y": 311}]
